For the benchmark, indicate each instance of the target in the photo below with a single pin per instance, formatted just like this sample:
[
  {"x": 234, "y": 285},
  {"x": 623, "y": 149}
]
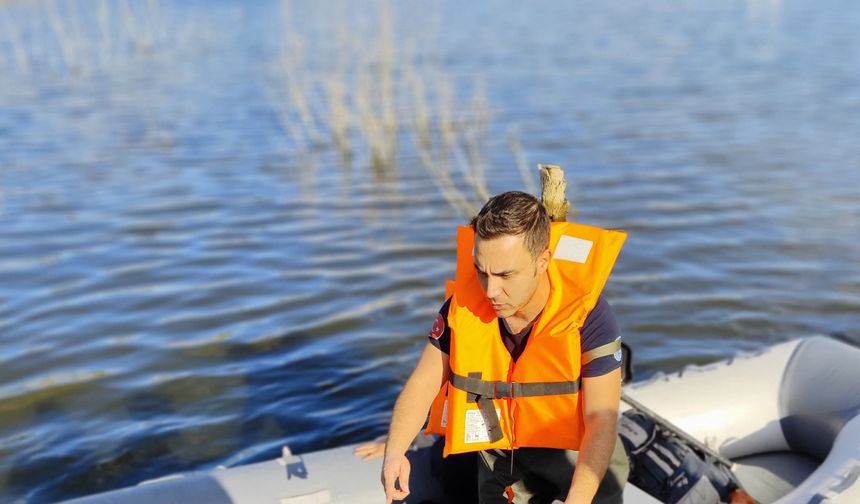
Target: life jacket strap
[
  {"x": 491, "y": 419},
  {"x": 490, "y": 389},
  {"x": 484, "y": 391}
]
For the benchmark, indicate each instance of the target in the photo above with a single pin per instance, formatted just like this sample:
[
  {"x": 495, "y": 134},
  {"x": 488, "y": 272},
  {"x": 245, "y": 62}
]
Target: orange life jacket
[{"x": 490, "y": 401}]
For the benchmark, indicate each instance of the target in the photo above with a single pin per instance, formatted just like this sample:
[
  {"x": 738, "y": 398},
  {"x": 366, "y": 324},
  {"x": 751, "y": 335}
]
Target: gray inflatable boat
[{"x": 787, "y": 417}]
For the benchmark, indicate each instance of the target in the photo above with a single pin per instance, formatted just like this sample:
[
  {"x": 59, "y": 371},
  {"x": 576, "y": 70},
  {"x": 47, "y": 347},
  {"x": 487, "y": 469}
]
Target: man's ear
[{"x": 543, "y": 261}]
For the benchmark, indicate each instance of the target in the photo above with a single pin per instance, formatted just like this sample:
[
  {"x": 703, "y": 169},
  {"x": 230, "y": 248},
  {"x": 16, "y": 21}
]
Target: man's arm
[
  {"x": 600, "y": 398},
  {"x": 410, "y": 412}
]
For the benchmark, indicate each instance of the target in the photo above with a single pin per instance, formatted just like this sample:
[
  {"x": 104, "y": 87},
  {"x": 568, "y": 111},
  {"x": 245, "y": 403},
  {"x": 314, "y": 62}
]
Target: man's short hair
[{"x": 514, "y": 213}]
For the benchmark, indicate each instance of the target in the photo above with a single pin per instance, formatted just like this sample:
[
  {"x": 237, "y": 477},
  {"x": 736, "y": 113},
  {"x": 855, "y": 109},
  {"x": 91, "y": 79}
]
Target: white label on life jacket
[
  {"x": 444, "y": 422},
  {"x": 476, "y": 428},
  {"x": 570, "y": 248}
]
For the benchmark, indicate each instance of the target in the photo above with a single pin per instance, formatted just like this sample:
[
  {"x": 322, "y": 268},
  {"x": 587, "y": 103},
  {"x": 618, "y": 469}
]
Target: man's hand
[
  {"x": 394, "y": 469},
  {"x": 371, "y": 450}
]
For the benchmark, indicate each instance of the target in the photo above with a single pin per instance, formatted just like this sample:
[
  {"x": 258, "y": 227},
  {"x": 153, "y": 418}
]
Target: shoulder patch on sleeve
[{"x": 438, "y": 327}]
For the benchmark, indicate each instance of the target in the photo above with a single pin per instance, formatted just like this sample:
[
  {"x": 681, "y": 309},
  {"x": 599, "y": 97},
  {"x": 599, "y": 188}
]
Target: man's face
[{"x": 508, "y": 272}]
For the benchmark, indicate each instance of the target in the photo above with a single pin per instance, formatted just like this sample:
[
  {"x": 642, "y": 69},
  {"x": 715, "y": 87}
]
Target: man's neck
[{"x": 526, "y": 316}]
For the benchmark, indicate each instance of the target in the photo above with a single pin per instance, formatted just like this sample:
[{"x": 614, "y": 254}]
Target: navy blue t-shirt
[{"x": 600, "y": 328}]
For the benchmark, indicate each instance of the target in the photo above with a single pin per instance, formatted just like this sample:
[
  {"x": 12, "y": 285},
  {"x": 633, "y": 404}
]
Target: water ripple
[{"x": 181, "y": 288}]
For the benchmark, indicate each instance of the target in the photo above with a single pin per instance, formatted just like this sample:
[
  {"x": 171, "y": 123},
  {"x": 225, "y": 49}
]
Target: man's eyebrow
[{"x": 501, "y": 273}]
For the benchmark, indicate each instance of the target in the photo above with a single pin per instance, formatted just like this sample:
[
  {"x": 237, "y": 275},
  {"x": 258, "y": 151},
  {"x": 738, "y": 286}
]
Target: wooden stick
[{"x": 553, "y": 186}]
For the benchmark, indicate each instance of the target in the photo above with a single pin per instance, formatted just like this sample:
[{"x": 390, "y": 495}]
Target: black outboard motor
[{"x": 668, "y": 469}]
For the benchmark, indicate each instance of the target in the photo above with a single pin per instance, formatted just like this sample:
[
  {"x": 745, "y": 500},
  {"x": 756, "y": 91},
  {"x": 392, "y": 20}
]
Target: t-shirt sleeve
[
  {"x": 600, "y": 328},
  {"x": 440, "y": 333}
]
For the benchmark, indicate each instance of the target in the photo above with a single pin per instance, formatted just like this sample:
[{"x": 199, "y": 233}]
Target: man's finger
[
  {"x": 364, "y": 448},
  {"x": 369, "y": 452},
  {"x": 404, "y": 479},
  {"x": 388, "y": 477}
]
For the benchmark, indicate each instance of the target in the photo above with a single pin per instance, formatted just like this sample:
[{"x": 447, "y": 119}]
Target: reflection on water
[{"x": 183, "y": 284}]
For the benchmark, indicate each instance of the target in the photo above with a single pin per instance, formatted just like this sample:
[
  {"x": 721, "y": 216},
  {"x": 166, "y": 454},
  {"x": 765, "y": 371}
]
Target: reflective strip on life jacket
[
  {"x": 502, "y": 389},
  {"x": 602, "y": 351}
]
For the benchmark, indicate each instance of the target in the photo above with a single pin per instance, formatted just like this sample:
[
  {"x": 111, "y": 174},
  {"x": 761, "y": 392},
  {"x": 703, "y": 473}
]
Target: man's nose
[{"x": 494, "y": 287}]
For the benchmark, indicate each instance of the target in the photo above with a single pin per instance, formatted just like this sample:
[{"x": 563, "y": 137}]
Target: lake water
[{"x": 185, "y": 282}]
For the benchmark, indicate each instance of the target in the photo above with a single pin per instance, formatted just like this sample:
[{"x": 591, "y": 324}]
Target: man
[{"x": 509, "y": 370}]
